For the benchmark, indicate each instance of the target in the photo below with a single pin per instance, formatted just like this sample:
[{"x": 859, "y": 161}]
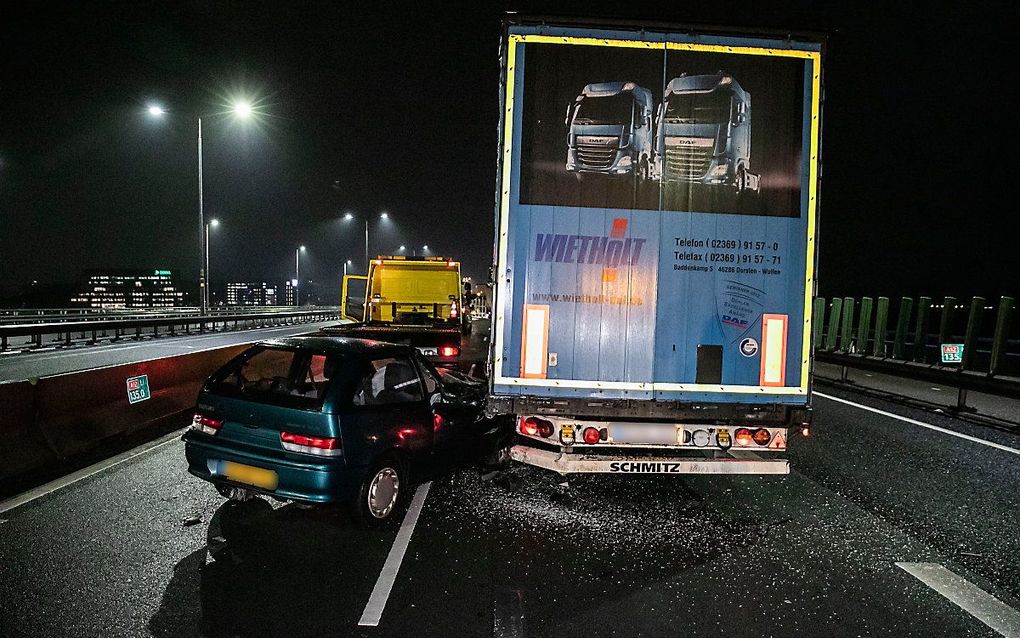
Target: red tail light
[
  {"x": 762, "y": 436},
  {"x": 743, "y": 437},
  {"x": 533, "y": 426},
  {"x": 206, "y": 424},
  {"x": 591, "y": 436},
  {"x": 449, "y": 351},
  {"x": 320, "y": 446}
]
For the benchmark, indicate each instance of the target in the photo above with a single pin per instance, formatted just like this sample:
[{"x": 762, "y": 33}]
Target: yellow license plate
[{"x": 266, "y": 479}]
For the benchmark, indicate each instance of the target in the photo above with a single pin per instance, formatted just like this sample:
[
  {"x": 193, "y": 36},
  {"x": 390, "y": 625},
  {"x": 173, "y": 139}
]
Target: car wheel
[{"x": 382, "y": 493}]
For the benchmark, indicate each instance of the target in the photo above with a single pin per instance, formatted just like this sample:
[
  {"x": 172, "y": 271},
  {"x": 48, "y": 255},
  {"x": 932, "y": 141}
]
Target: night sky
[{"x": 394, "y": 109}]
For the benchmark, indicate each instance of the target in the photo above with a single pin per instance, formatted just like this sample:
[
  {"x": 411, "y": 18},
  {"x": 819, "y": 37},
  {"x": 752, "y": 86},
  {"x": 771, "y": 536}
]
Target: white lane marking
[
  {"x": 997, "y": 446},
  {"x": 968, "y": 596},
  {"x": 381, "y": 592},
  {"x": 84, "y": 473}
]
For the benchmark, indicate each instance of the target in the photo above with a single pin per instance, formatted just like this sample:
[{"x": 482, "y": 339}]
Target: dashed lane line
[
  {"x": 1004, "y": 448},
  {"x": 381, "y": 592},
  {"x": 972, "y": 599}
]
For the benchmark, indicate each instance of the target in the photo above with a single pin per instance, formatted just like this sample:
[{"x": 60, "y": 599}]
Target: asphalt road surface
[
  {"x": 885, "y": 528},
  {"x": 45, "y": 362}
]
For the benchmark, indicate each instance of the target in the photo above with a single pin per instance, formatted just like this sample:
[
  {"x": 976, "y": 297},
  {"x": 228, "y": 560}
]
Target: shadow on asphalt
[{"x": 287, "y": 571}]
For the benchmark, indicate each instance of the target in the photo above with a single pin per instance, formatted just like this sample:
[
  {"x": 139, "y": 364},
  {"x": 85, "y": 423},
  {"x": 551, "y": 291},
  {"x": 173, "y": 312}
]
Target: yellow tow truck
[{"x": 414, "y": 300}]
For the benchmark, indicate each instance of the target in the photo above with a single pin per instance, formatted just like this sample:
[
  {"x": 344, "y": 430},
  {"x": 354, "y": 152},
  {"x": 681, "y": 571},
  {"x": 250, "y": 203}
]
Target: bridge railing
[
  {"x": 902, "y": 340},
  {"x": 92, "y": 330},
  {"x": 50, "y": 315}
]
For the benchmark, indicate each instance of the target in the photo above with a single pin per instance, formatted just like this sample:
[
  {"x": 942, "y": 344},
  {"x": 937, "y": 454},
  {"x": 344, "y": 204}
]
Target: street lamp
[
  {"x": 346, "y": 264},
  {"x": 297, "y": 273},
  {"x": 243, "y": 110},
  {"x": 350, "y": 216},
  {"x": 208, "y": 272}
]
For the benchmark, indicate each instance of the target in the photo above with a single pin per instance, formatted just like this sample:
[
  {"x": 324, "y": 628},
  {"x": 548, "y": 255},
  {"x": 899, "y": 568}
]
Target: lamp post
[
  {"x": 208, "y": 271},
  {"x": 297, "y": 273},
  {"x": 346, "y": 264},
  {"x": 242, "y": 110},
  {"x": 350, "y": 216}
]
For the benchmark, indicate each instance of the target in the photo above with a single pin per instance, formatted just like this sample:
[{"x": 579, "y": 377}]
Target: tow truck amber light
[
  {"x": 743, "y": 437},
  {"x": 449, "y": 351},
  {"x": 762, "y": 436},
  {"x": 206, "y": 424},
  {"x": 320, "y": 446},
  {"x": 591, "y": 436}
]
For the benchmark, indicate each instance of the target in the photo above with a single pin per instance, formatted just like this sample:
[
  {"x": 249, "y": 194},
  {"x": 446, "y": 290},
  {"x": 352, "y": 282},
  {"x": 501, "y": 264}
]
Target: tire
[{"x": 382, "y": 495}]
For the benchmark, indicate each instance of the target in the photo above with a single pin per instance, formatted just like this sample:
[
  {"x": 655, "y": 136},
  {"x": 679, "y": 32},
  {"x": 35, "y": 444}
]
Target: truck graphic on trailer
[
  {"x": 703, "y": 134},
  {"x": 610, "y": 130}
]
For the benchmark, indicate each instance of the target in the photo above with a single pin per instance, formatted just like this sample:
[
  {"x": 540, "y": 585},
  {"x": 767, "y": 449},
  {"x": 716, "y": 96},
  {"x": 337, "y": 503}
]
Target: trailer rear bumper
[{"x": 738, "y": 463}]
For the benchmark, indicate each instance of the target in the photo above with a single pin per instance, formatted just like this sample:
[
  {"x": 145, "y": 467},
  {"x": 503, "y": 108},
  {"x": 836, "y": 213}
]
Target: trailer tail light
[
  {"x": 206, "y": 424},
  {"x": 449, "y": 351},
  {"x": 319, "y": 446},
  {"x": 591, "y": 436},
  {"x": 762, "y": 436},
  {"x": 743, "y": 437},
  {"x": 533, "y": 426}
]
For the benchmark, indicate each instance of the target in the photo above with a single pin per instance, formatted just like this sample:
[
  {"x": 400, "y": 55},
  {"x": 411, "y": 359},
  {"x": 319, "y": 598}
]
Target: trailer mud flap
[{"x": 583, "y": 464}]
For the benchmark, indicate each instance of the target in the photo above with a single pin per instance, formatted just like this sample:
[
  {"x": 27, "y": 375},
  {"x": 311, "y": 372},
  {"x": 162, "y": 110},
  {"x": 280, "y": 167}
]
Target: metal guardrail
[
  {"x": 864, "y": 339},
  {"x": 46, "y": 315},
  {"x": 64, "y": 331}
]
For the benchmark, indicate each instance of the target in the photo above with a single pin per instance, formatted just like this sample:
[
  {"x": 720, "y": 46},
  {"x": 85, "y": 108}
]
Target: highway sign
[
  {"x": 138, "y": 388},
  {"x": 952, "y": 353}
]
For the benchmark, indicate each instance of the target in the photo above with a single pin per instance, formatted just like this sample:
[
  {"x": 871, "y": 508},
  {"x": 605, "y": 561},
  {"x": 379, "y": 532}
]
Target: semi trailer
[{"x": 637, "y": 340}]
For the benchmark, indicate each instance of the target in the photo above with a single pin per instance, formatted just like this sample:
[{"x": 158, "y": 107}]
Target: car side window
[
  {"x": 431, "y": 383},
  {"x": 292, "y": 378},
  {"x": 387, "y": 381}
]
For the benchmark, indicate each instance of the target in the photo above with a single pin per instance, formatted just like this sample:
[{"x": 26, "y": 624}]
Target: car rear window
[{"x": 279, "y": 376}]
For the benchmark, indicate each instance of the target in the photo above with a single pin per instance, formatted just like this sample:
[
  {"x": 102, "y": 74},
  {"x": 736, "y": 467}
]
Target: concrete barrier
[
  {"x": 22, "y": 446},
  {"x": 57, "y": 417}
]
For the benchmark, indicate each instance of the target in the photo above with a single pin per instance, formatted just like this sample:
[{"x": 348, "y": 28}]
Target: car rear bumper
[{"x": 312, "y": 481}]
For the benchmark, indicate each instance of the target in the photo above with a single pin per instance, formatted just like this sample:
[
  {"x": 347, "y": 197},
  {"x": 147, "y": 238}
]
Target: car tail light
[
  {"x": 206, "y": 424},
  {"x": 743, "y": 437},
  {"x": 591, "y": 436},
  {"x": 762, "y": 436},
  {"x": 320, "y": 446},
  {"x": 449, "y": 351},
  {"x": 533, "y": 426}
]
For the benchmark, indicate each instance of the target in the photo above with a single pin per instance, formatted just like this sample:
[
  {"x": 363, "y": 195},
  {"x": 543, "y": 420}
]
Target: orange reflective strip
[
  {"x": 773, "y": 350},
  {"x": 535, "y": 341}
]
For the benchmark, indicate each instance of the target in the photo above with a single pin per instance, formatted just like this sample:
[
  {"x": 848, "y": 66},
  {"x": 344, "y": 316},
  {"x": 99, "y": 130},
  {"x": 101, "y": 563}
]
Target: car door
[
  {"x": 390, "y": 408},
  {"x": 454, "y": 416}
]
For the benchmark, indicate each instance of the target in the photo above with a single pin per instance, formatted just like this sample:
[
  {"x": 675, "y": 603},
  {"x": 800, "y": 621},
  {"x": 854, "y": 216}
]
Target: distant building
[
  {"x": 251, "y": 294},
  {"x": 129, "y": 289},
  {"x": 289, "y": 288}
]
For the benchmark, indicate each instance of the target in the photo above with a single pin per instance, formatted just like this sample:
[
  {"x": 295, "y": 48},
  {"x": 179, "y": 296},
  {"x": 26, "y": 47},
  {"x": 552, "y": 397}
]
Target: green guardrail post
[
  {"x": 846, "y": 333},
  {"x": 977, "y": 309},
  {"x": 834, "y": 315},
  {"x": 946, "y": 323},
  {"x": 1001, "y": 334},
  {"x": 881, "y": 320},
  {"x": 902, "y": 321},
  {"x": 818, "y": 317},
  {"x": 921, "y": 329},
  {"x": 864, "y": 325}
]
